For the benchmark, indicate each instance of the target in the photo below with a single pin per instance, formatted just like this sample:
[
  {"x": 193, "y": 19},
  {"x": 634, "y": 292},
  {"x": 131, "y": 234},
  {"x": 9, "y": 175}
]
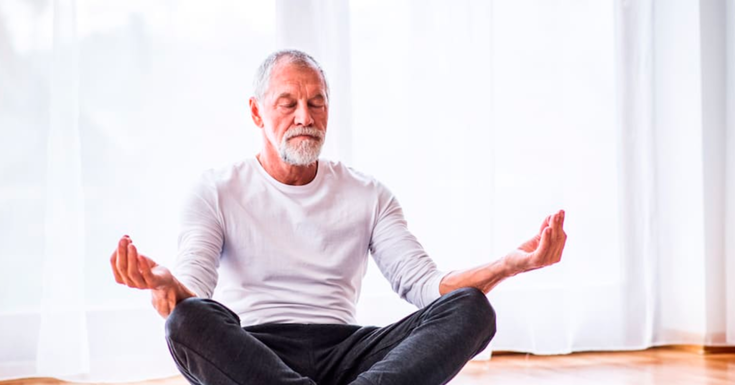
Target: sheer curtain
[{"x": 482, "y": 117}]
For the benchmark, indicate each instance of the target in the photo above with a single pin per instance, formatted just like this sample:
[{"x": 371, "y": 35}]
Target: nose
[{"x": 303, "y": 116}]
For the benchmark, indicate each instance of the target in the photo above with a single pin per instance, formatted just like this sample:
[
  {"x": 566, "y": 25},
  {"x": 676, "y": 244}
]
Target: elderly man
[{"x": 286, "y": 236}]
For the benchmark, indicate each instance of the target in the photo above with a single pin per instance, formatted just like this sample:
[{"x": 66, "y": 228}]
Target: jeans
[{"x": 428, "y": 347}]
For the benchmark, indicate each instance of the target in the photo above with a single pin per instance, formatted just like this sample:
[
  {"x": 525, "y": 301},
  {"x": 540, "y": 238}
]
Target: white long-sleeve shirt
[{"x": 297, "y": 254}]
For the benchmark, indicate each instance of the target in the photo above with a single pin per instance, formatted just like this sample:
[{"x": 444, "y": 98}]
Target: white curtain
[{"x": 482, "y": 117}]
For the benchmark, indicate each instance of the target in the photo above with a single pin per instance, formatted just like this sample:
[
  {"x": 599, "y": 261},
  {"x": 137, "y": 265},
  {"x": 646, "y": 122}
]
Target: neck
[{"x": 284, "y": 172}]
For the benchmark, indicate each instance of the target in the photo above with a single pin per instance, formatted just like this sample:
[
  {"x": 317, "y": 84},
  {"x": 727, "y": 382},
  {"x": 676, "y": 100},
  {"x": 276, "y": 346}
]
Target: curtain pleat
[{"x": 63, "y": 313}]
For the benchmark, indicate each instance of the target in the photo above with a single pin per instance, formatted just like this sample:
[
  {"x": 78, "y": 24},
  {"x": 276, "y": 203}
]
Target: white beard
[{"x": 306, "y": 151}]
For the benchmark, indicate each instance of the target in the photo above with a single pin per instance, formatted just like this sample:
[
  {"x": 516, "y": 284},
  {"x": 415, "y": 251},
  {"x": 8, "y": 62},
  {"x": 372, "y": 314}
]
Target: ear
[{"x": 255, "y": 112}]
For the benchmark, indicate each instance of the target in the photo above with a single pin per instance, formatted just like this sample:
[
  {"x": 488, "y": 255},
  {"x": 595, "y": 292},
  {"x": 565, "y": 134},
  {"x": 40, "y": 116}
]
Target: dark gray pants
[{"x": 428, "y": 347}]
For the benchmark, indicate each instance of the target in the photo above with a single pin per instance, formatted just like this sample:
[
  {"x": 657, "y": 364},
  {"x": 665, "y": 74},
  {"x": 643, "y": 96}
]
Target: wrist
[
  {"x": 175, "y": 290},
  {"x": 511, "y": 266},
  {"x": 163, "y": 292},
  {"x": 182, "y": 292}
]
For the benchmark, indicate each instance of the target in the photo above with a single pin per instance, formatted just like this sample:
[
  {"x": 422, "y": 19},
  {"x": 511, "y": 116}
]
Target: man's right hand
[{"x": 140, "y": 272}]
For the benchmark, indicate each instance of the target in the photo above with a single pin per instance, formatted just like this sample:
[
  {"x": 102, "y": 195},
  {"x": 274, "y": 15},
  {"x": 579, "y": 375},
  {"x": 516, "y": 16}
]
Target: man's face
[{"x": 293, "y": 113}]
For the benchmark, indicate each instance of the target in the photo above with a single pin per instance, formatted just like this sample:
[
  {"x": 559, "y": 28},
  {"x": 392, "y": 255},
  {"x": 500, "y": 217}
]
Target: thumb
[
  {"x": 151, "y": 263},
  {"x": 545, "y": 243},
  {"x": 544, "y": 224}
]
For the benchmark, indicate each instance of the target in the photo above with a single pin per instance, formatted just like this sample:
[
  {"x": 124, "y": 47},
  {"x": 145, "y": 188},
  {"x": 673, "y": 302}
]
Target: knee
[
  {"x": 192, "y": 316},
  {"x": 473, "y": 307},
  {"x": 183, "y": 316}
]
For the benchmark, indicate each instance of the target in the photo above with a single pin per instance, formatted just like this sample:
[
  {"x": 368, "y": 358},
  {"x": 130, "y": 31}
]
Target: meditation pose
[{"x": 285, "y": 237}]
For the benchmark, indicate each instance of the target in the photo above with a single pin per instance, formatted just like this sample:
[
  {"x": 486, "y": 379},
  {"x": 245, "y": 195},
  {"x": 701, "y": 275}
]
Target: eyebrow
[
  {"x": 287, "y": 95},
  {"x": 284, "y": 95}
]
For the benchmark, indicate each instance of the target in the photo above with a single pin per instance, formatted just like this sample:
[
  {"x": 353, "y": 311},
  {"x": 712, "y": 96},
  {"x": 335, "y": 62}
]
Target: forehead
[{"x": 291, "y": 75}]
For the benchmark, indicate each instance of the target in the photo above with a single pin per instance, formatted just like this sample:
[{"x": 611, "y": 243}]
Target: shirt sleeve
[
  {"x": 200, "y": 240},
  {"x": 400, "y": 257}
]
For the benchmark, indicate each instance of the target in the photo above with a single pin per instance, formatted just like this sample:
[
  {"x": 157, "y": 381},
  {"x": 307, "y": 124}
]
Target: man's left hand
[{"x": 542, "y": 250}]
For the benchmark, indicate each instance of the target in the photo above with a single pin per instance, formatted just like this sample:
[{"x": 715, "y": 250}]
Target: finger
[
  {"x": 542, "y": 253},
  {"x": 133, "y": 272},
  {"x": 562, "y": 214},
  {"x": 544, "y": 224},
  {"x": 113, "y": 263},
  {"x": 122, "y": 259},
  {"x": 557, "y": 223},
  {"x": 546, "y": 242},
  {"x": 563, "y": 243},
  {"x": 557, "y": 218},
  {"x": 558, "y": 248}
]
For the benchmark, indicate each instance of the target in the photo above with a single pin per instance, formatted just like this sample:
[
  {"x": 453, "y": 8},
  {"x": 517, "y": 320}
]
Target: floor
[{"x": 654, "y": 366}]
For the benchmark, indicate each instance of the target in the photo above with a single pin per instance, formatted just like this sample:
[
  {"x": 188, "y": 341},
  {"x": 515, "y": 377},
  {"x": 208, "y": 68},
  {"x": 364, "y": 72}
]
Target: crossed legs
[{"x": 429, "y": 346}]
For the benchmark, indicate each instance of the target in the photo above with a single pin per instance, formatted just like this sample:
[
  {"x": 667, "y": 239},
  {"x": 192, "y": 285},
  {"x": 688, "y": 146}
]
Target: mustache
[{"x": 301, "y": 130}]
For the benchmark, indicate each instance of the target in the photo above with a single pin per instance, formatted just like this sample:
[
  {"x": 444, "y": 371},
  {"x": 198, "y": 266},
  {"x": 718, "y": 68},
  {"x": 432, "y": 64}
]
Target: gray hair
[{"x": 287, "y": 56}]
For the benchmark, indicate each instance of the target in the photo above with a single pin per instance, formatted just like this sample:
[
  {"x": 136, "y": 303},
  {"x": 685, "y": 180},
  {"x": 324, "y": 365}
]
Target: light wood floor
[{"x": 654, "y": 366}]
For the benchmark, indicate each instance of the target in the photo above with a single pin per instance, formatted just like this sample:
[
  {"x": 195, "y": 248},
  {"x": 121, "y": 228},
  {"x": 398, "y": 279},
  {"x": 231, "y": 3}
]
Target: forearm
[{"x": 484, "y": 277}]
